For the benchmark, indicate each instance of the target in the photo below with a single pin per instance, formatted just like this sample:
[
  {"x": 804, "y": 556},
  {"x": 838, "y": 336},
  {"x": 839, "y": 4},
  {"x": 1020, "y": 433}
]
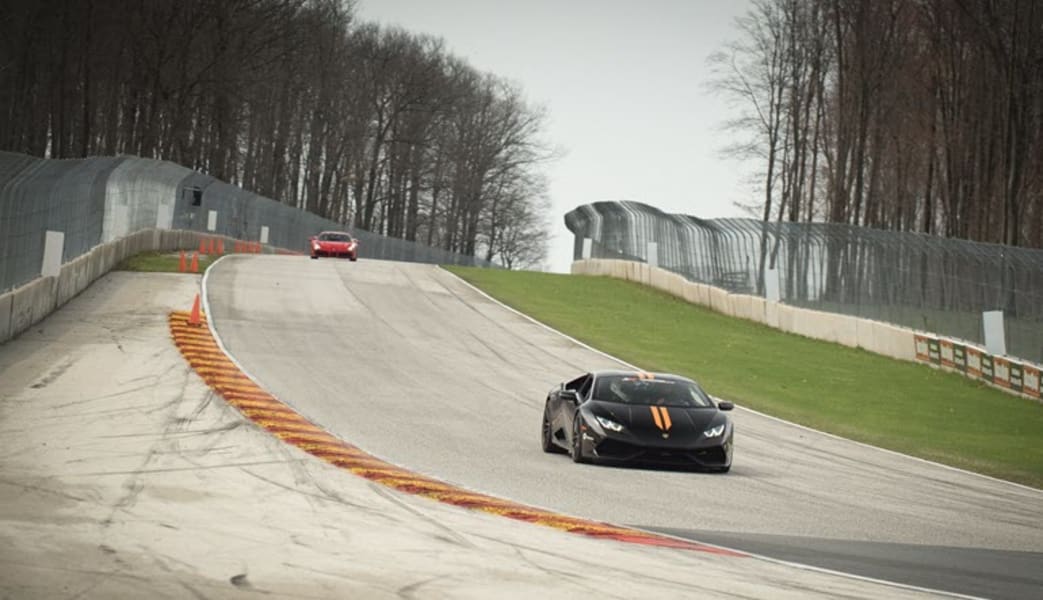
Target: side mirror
[
  {"x": 312, "y": 238},
  {"x": 569, "y": 395},
  {"x": 725, "y": 405}
]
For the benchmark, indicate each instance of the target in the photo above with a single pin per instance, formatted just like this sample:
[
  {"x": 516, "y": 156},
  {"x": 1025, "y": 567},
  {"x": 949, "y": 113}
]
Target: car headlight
[
  {"x": 714, "y": 431},
  {"x": 609, "y": 424}
]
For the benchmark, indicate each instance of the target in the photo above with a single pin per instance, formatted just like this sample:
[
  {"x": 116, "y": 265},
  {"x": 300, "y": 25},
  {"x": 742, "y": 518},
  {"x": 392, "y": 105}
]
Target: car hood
[{"x": 653, "y": 421}]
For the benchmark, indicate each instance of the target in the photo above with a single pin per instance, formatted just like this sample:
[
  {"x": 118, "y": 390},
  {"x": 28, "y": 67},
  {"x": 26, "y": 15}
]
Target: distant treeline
[
  {"x": 293, "y": 99},
  {"x": 909, "y": 115}
]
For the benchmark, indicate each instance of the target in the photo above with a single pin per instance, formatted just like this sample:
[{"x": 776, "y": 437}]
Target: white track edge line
[
  {"x": 752, "y": 554},
  {"x": 884, "y": 582},
  {"x": 220, "y": 344},
  {"x": 213, "y": 329},
  {"x": 258, "y": 382},
  {"x": 757, "y": 412}
]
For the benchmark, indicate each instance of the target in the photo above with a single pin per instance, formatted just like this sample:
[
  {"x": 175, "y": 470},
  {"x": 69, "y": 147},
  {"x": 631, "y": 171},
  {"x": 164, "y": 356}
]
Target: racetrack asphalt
[
  {"x": 411, "y": 364},
  {"x": 122, "y": 475}
]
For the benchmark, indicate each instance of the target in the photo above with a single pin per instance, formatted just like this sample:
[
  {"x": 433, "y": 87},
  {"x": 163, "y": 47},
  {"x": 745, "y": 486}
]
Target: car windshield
[
  {"x": 334, "y": 237},
  {"x": 644, "y": 390}
]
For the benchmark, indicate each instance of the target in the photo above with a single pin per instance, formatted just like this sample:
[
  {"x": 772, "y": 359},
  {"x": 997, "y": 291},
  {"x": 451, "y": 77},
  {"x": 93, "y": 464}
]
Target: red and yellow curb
[{"x": 223, "y": 376}]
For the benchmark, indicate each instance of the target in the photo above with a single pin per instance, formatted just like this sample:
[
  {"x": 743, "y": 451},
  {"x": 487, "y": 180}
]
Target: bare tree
[
  {"x": 903, "y": 114},
  {"x": 293, "y": 99}
]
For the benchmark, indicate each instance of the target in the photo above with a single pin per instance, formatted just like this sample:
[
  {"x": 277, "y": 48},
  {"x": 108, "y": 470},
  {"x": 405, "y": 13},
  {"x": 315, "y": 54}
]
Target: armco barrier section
[
  {"x": 1003, "y": 372},
  {"x": 1012, "y": 375}
]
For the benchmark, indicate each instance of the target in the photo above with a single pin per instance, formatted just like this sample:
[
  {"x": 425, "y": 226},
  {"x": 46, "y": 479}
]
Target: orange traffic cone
[
  {"x": 202, "y": 246},
  {"x": 195, "y": 262},
  {"x": 181, "y": 264},
  {"x": 220, "y": 247},
  {"x": 194, "y": 316}
]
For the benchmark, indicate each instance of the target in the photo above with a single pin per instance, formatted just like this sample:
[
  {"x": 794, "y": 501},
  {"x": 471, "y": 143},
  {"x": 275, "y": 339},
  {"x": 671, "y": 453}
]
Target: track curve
[{"x": 414, "y": 366}]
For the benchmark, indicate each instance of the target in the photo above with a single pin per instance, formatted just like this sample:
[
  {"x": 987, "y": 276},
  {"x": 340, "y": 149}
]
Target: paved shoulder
[
  {"x": 122, "y": 476},
  {"x": 411, "y": 364}
]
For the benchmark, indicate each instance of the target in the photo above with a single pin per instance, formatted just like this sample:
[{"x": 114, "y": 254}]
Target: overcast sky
[{"x": 623, "y": 83}]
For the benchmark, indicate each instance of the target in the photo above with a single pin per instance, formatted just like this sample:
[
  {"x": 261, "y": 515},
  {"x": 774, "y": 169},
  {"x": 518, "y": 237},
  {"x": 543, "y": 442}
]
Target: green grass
[
  {"x": 162, "y": 262},
  {"x": 893, "y": 404}
]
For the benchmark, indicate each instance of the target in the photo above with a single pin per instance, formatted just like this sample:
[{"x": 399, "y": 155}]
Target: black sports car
[{"x": 624, "y": 416}]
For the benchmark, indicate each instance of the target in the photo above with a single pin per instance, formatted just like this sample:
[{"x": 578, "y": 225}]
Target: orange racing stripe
[
  {"x": 666, "y": 418},
  {"x": 655, "y": 416}
]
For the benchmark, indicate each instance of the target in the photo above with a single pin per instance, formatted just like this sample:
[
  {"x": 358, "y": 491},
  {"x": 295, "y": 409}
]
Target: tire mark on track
[{"x": 221, "y": 374}]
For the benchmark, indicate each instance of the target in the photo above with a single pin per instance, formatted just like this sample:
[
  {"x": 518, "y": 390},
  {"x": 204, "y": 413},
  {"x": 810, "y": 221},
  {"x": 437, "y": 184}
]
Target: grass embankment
[
  {"x": 893, "y": 404},
  {"x": 162, "y": 262}
]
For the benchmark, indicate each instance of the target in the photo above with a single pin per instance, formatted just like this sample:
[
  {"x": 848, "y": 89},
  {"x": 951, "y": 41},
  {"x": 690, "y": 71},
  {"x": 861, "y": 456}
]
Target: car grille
[{"x": 616, "y": 450}]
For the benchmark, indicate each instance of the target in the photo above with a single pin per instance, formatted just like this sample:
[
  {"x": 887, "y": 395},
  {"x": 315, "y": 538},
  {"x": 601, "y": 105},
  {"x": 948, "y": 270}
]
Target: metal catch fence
[
  {"x": 97, "y": 200},
  {"x": 915, "y": 280}
]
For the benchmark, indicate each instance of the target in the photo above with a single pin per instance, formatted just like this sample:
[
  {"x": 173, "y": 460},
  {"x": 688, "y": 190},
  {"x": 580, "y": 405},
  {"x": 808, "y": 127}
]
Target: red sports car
[{"x": 338, "y": 244}]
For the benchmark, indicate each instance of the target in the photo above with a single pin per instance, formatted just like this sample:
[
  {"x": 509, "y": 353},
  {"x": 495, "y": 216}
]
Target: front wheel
[
  {"x": 546, "y": 438},
  {"x": 577, "y": 442},
  {"x": 313, "y": 257}
]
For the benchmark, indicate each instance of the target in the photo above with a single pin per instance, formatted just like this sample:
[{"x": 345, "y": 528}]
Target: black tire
[
  {"x": 722, "y": 469},
  {"x": 313, "y": 257},
  {"x": 545, "y": 437},
  {"x": 354, "y": 260},
  {"x": 577, "y": 442}
]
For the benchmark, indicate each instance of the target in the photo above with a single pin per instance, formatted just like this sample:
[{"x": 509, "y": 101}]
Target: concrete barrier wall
[
  {"x": 23, "y": 307},
  {"x": 33, "y": 302},
  {"x": 73, "y": 279},
  {"x": 874, "y": 336},
  {"x": 6, "y": 300}
]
